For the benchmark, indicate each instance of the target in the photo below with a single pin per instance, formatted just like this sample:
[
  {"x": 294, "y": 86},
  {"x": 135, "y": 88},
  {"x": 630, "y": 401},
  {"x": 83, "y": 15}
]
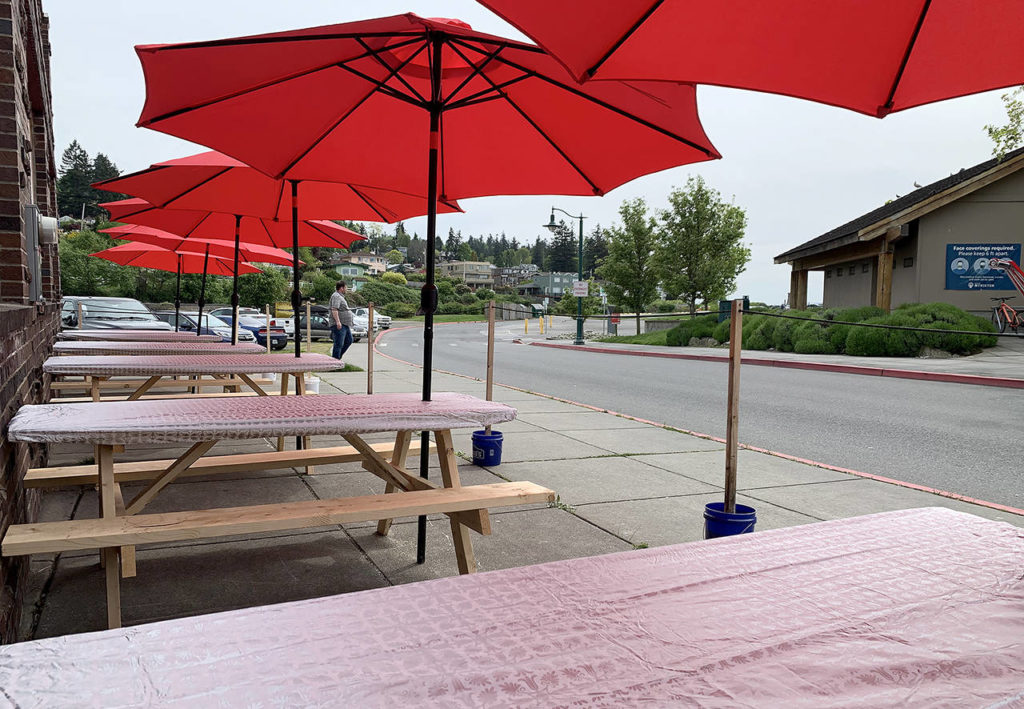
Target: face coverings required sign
[{"x": 968, "y": 266}]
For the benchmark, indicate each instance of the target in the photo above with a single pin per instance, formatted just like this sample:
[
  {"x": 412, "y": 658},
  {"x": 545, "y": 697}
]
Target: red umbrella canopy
[
  {"x": 192, "y": 224},
  {"x": 217, "y": 248},
  {"x": 871, "y": 56},
  {"x": 212, "y": 181},
  {"x": 352, "y": 102},
  {"x": 149, "y": 256}
]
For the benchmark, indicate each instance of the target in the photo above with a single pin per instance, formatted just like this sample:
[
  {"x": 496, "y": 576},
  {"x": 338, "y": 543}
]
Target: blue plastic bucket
[
  {"x": 719, "y": 523},
  {"x": 487, "y": 448}
]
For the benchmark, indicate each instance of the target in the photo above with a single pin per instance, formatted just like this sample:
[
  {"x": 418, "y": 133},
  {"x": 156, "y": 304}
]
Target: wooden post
[
  {"x": 268, "y": 329},
  {"x": 733, "y": 415},
  {"x": 79, "y": 315},
  {"x": 883, "y": 291},
  {"x": 309, "y": 332},
  {"x": 489, "y": 391},
  {"x": 369, "y": 349}
]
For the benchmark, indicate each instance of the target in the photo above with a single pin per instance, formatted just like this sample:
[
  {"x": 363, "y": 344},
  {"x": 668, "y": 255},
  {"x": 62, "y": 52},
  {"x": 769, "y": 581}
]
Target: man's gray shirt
[{"x": 339, "y": 303}]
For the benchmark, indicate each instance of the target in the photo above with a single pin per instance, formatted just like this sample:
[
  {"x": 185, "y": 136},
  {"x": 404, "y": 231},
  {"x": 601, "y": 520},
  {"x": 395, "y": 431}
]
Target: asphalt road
[{"x": 961, "y": 438}]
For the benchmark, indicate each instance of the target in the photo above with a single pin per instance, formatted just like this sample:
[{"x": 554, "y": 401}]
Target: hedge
[{"x": 820, "y": 335}]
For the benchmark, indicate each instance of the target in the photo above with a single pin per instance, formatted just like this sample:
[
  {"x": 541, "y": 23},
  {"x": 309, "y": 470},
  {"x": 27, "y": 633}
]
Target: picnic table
[
  {"x": 135, "y": 336},
  {"x": 74, "y": 347},
  {"x": 112, "y": 426},
  {"x": 910, "y": 608},
  {"x": 99, "y": 368}
]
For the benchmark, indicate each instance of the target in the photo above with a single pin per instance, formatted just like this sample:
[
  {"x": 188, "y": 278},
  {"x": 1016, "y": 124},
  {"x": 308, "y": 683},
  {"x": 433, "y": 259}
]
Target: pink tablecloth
[
  {"x": 135, "y": 336},
  {"x": 170, "y": 365},
  {"x": 912, "y": 608},
  {"x": 75, "y": 347}
]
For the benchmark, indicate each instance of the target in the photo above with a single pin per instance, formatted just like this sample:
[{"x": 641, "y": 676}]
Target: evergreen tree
[
  {"x": 73, "y": 185},
  {"x": 702, "y": 250},
  {"x": 629, "y": 266},
  {"x": 563, "y": 251},
  {"x": 595, "y": 249},
  {"x": 451, "y": 246},
  {"x": 539, "y": 252}
]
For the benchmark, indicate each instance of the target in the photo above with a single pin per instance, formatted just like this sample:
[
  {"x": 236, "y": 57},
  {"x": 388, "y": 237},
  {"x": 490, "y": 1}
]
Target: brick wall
[{"x": 27, "y": 330}]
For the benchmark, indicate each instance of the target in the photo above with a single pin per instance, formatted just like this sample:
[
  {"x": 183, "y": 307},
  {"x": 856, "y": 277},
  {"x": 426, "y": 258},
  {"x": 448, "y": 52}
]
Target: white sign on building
[{"x": 580, "y": 289}]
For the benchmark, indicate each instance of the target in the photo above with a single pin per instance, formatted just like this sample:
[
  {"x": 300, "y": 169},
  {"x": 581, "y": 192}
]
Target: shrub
[
  {"x": 468, "y": 299},
  {"x": 682, "y": 333},
  {"x": 400, "y": 310},
  {"x": 450, "y": 308},
  {"x": 381, "y": 293},
  {"x": 666, "y": 306},
  {"x": 394, "y": 277},
  {"x": 484, "y": 294},
  {"x": 462, "y": 289}
]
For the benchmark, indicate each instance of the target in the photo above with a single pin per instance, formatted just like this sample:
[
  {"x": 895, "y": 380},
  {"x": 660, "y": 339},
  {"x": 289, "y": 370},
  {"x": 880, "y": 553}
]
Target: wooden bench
[{"x": 130, "y": 385}]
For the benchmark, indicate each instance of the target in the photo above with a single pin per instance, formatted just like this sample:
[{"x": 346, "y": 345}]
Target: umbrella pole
[
  {"x": 177, "y": 296},
  {"x": 428, "y": 296},
  {"x": 234, "y": 286},
  {"x": 202, "y": 293},
  {"x": 296, "y": 296}
]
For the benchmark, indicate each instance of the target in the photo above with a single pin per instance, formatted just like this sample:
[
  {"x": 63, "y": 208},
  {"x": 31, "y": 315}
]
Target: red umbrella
[
  {"x": 871, "y": 56},
  {"x": 358, "y": 102},
  {"x": 217, "y": 248},
  {"x": 150, "y": 256},
  {"x": 213, "y": 181}
]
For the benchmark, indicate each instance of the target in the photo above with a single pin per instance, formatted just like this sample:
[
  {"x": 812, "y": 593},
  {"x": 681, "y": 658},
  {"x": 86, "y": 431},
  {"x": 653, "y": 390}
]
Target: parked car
[
  {"x": 287, "y": 324},
  {"x": 257, "y": 325},
  {"x": 212, "y": 325},
  {"x": 101, "y": 313},
  {"x": 380, "y": 321},
  {"x": 225, "y": 313},
  {"x": 320, "y": 322}
]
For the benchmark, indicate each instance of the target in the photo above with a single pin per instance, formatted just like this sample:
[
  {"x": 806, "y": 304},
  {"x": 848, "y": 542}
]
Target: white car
[
  {"x": 380, "y": 321},
  {"x": 287, "y": 323}
]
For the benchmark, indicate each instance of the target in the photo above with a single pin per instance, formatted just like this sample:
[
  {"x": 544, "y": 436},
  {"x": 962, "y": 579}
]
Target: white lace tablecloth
[
  {"x": 170, "y": 365},
  {"x": 916, "y": 608},
  {"x": 185, "y": 420},
  {"x": 135, "y": 336},
  {"x": 155, "y": 348}
]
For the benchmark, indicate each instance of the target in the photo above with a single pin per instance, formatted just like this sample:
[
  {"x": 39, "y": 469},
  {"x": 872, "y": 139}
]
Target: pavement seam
[
  {"x": 44, "y": 592},
  {"x": 756, "y": 449}
]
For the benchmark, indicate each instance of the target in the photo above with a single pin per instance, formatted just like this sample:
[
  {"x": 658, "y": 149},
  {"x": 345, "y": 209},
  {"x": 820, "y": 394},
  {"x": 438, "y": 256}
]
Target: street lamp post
[{"x": 552, "y": 226}]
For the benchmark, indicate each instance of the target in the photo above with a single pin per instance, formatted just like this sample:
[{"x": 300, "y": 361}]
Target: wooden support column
[
  {"x": 798, "y": 289},
  {"x": 883, "y": 285}
]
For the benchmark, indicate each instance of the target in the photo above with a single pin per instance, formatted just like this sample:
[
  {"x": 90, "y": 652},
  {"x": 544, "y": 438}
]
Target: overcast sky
[{"x": 798, "y": 168}]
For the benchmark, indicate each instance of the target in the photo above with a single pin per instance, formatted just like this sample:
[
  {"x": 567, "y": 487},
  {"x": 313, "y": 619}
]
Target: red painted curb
[
  {"x": 709, "y": 437},
  {"x": 973, "y": 379}
]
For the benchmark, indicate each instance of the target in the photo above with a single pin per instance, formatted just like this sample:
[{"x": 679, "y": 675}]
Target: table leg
[
  {"x": 146, "y": 386},
  {"x": 300, "y": 390},
  {"x": 284, "y": 392},
  {"x": 252, "y": 385},
  {"x": 398, "y": 456},
  {"x": 108, "y": 510},
  {"x": 94, "y": 387},
  {"x": 450, "y": 475}
]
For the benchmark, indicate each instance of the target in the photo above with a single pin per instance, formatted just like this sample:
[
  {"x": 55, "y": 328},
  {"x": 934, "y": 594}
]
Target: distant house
[
  {"x": 932, "y": 245},
  {"x": 548, "y": 284},
  {"x": 475, "y": 274},
  {"x": 374, "y": 263},
  {"x": 512, "y": 276},
  {"x": 353, "y": 273}
]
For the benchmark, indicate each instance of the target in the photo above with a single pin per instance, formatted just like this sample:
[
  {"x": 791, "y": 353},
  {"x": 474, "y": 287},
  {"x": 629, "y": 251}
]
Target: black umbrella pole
[
  {"x": 296, "y": 295},
  {"x": 202, "y": 294},
  {"x": 428, "y": 297},
  {"x": 177, "y": 296},
  {"x": 234, "y": 288}
]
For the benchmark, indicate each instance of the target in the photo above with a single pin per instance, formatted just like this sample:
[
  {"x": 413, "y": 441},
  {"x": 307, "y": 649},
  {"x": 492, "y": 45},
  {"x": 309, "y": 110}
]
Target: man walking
[{"x": 341, "y": 322}]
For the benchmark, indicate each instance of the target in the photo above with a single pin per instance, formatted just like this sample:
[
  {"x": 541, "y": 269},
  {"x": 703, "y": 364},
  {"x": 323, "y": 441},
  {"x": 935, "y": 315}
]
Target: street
[{"x": 960, "y": 438}]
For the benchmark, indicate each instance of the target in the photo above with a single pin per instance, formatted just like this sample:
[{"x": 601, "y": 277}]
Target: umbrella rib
[
  {"x": 614, "y": 109},
  {"x": 621, "y": 40},
  {"x": 376, "y": 56},
  {"x": 270, "y": 237},
  {"x": 238, "y": 41},
  {"x": 194, "y": 187},
  {"x": 366, "y": 200},
  {"x": 521, "y": 112},
  {"x": 250, "y": 89},
  {"x": 886, "y": 107},
  {"x": 485, "y": 95},
  {"x": 329, "y": 236},
  {"x": 477, "y": 70}
]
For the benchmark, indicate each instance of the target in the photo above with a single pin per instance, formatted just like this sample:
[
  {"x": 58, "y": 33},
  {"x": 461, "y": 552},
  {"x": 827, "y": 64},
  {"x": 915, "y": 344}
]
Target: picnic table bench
[
  {"x": 135, "y": 336},
  {"x": 97, "y": 369},
  {"x": 76, "y": 347},
  {"x": 112, "y": 426}
]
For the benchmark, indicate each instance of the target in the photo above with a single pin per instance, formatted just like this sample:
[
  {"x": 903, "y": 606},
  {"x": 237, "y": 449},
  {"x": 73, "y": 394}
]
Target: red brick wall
[{"x": 27, "y": 330}]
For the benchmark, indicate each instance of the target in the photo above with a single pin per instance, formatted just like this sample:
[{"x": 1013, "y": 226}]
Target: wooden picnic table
[
  {"x": 74, "y": 347},
  {"x": 135, "y": 336},
  {"x": 99, "y": 368},
  {"x": 912, "y": 608},
  {"x": 113, "y": 426}
]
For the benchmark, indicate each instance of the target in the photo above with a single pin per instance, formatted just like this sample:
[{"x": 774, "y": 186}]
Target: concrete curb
[
  {"x": 973, "y": 379},
  {"x": 709, "y": 437}
]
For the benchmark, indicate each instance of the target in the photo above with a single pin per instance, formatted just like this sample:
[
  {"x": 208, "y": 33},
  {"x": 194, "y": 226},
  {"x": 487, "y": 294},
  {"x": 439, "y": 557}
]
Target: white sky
[{"x": 798, "y": 168}]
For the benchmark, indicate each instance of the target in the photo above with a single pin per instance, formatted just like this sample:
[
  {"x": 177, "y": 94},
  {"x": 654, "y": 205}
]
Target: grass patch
[{"x": 658, "y": 337}]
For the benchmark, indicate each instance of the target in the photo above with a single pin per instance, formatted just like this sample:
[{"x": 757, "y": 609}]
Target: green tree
[
  {"x": 595, "y": 248},
  {"x": 394, "y": 256},
  {"x": 256, "y": 290},
  {"x": 561, "y": 256},
  {"x": 701, "y": 248},
  {"x": 591, "y": 304},
  {"x": 320, "y": 286},
  {"x": 73, "y": 185},
  {"x": 393, "y": 277},
  {"x": 539, "y": 253},
  {"x": 629, "y": 268},
  {"x": 464, "y": 252},
  {"x": 104, "y": 169},
  {"x": 82, "y": 274},
  {"x": 1010, "y": 136}
]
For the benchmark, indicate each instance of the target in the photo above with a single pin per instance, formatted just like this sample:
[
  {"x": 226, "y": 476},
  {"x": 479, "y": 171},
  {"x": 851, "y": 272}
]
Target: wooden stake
[
  {"x": 309, "y": 332},
  {"x": 369, "y": 349},
  {"x": 268, "y": 329},
  {"x": 490, "y": 355},
  {"x": 733, "y": 417}
]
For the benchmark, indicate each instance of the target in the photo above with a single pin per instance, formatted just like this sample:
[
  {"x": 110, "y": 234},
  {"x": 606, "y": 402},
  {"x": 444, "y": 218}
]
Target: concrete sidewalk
[{"x": 622, "y": 483}]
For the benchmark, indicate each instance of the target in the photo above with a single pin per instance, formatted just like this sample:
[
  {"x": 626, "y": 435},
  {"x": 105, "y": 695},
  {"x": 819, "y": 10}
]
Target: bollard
[
  {"x": 540, "y": 321},
  {"x": 526, "y": 326}
]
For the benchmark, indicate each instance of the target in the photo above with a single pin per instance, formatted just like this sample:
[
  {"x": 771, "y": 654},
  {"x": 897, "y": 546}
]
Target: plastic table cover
[
  {"x": 135, "y": 336},
  {"x": 90, "y": 347},
  {"x": 917, "y": 607},
  {"x": 169, "y": 365},
  {"x": 184, "y": 420}
]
